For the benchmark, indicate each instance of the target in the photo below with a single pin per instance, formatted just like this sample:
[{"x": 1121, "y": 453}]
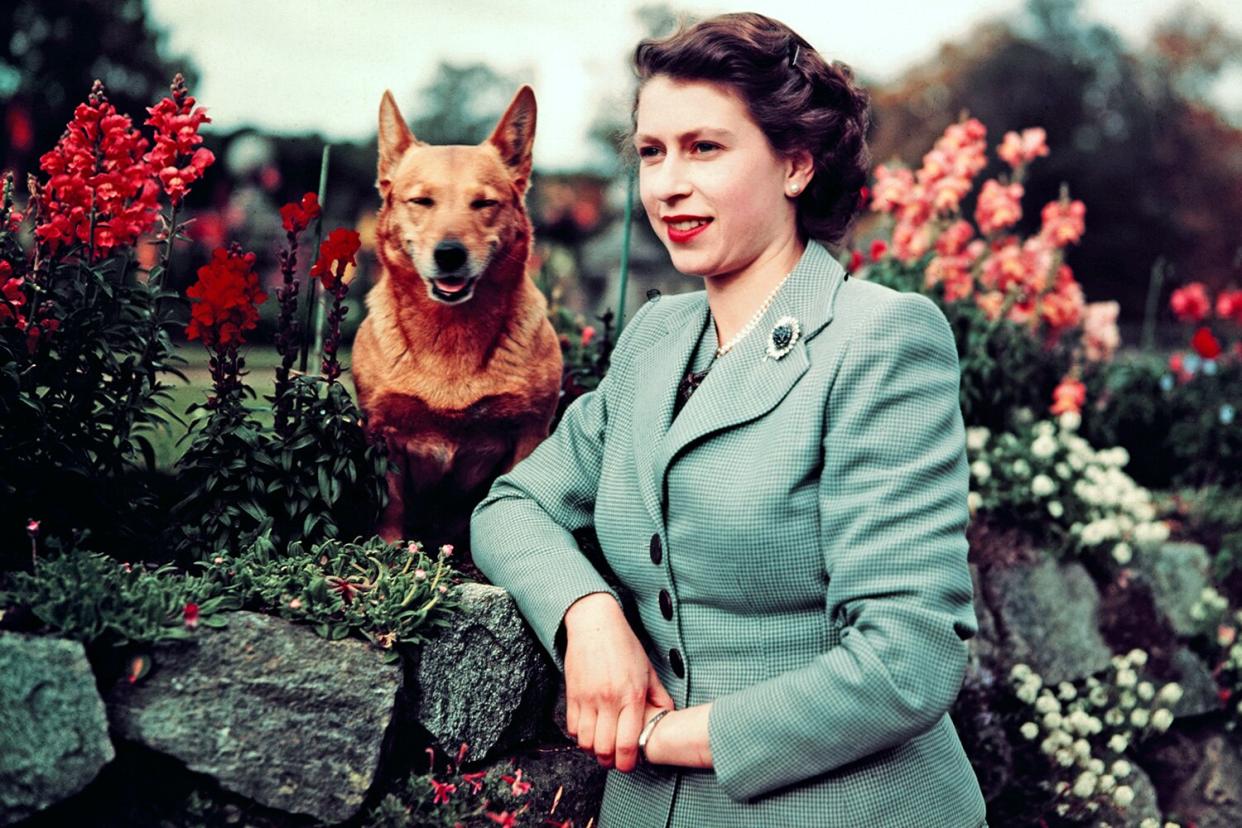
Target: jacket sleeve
[
  {"x": 893, "y": 512},
  {"x": 520, "y": 533}
]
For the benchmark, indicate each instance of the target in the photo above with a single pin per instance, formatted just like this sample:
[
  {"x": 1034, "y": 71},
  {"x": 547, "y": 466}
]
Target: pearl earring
[{"x": 793, "y": 189}]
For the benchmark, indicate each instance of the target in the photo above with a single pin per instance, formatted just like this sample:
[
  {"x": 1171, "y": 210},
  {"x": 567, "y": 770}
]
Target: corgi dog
[{"x": 456, "y": 363}]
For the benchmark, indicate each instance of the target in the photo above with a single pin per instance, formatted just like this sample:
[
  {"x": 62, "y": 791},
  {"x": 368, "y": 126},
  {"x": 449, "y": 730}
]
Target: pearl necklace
[{"x": 754, "y": 320}]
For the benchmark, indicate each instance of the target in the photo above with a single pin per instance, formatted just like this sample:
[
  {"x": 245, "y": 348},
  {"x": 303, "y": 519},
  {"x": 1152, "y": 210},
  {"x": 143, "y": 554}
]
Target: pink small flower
[
  {"x": 1063, "y": 222},
  {"x": 518, "y": 787},
  {"x": 443, "y": 791},
  {"x": 475, "y": 780},
  {"x": 505, "y": 819},
  {"x": 32, "y": 528},
  {"x": 446, "y": 550},
  {"x": 1017, "y": 150},
  {"x": 999, "y": 205},
  {"x": 420, "y": 574},
  {"x": 443, "y": 589},
  {"x": 588, "y": 333},
  {"x": 191, "y": 615},
  {"x": 1225, "y": 635},
  {"x": 296, "y": 603}
]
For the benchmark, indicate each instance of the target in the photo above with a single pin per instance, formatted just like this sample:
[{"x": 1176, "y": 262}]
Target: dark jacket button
[
  {"x": 657, "y": 551},
  {"x": 679, "y": 667},
  {"x": 666, "y": 604}
]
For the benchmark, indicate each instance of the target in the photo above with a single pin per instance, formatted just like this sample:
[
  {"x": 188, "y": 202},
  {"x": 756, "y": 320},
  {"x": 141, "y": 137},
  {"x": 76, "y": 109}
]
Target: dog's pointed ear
[
  {"x": 515, "y": 136},
  {"x": 394, "y": 139}
]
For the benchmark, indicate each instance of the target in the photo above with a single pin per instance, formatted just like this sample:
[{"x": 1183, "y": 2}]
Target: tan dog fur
[{"x": 460, "y": 392}]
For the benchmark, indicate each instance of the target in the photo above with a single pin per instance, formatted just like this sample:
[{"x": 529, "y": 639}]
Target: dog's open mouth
[{"x": 452, "y": 288}]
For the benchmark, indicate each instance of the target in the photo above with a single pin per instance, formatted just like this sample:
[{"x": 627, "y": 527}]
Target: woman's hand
[{"x": 609, "y": 681}]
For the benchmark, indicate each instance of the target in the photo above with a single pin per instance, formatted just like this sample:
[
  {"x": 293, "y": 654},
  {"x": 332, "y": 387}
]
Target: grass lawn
[{"x": 261, "y": 362}]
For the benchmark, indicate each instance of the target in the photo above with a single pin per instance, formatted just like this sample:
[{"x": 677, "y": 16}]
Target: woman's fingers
[
  {"x": 655, "y": 690},
  {"x": 586, "y": 728},
  {"x": 629, "y": 725},
  {"x": 605, "y": 736}
]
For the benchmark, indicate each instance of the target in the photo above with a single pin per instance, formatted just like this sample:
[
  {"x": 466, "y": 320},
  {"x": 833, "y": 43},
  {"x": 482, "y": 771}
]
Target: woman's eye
[
  {"x": 648, "y": 152},
  {"x": 422, "y": 201},
  {"x": 483, "y": 203},
  {"x": 705, "y": 146}
]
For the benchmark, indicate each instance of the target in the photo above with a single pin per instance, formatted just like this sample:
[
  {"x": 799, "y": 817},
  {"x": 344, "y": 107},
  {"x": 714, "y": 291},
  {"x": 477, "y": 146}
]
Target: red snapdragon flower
[
  {"x": 1229, "y": 305},
  {"x": 228, "y": 295},
  {"x": 1205, "y": 344},
  {"x": 97, "y": 169},
  {"x": 474, "y": 780},
  {"x": 296, "y": 216},
  {"x": 505, "y": 819},
  {"x": 177, "y": 159},
  {"x": 12, "y": 297},
  {"x": 336, "y": 251},
  {"x": 1190, "y": 303},
  {"x": 191, "y": 615}
]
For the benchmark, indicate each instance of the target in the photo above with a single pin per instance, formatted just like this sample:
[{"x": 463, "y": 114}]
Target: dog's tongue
[{"x": 451, "y": 285}]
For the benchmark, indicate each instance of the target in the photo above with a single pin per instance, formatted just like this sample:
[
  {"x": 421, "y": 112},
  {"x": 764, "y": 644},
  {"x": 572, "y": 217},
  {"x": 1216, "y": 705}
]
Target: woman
[{"x": 775, "y": 469}]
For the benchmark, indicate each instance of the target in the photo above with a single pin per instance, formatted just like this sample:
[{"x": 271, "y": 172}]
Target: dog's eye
[
  {"x": 421, "y": 201},
  {"x": 483, "y": 203}
]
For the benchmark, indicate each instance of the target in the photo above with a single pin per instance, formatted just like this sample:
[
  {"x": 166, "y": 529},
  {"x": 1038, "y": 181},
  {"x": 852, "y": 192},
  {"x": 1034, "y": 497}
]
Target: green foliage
[
  {"x": 1213, "y": 515},
  {"x": 1179, "y": 432},
  {"x": 386, "y": 593},
  {"x": 73, "y": 409},
  {"x": 90, "y": 597},
  {"x": 585, "y": 355},
  {"x": 322, "y": 479}
]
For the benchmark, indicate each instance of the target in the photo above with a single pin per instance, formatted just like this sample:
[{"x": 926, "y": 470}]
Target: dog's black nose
[{"x": 450, "y": 256}]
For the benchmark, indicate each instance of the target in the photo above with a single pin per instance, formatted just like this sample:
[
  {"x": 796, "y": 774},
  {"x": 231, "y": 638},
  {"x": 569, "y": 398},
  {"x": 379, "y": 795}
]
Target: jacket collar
[{"x": 741, "y": 385}]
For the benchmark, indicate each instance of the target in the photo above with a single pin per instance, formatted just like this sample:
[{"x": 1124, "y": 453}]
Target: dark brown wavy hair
[{"x": 800, "y": 101}]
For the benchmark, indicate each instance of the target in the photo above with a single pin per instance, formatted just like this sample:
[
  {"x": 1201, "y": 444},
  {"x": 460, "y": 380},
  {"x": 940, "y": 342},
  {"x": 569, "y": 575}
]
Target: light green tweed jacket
[{"x": 806, "y": 517}]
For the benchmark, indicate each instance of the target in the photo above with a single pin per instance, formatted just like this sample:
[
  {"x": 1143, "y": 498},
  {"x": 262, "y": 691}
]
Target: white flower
[
  {"x": 1052, "y": 720},
  {"x": 1107, "y": 782},
  {"x": 1114, "y": 716},
  {"x": 1019, "y": 672},
  {"x": 1098, "y": 695},
  {"x": 1021, "y": 468},
  {"x": 1065, "y": 758},
  {"x": 1082, "y": 748},
  {"x": 1150, "y": 822},
  {"x": 1049, "y": 746},
  {"x": 974, "y": 501},
  {"x": 1146, "y": 690},
  {"x": 977, "y": 437},
  {"x": 981, "y": 470},
  {"x": 1123, "y": 796},
  {"x": 1042, "y": 485},
  {"x": 1045, "y": 446},
  {"x": 1047, "y": 704},
  {"x": 1027, "y": 693},
  {"x": 1127, "y": 699},
  {"x": 1139, "y": 717},
  {"x": 1161, "y": 719},
  {"x": 1126, "y": 677},
  {"x": 1122, "y": 553},
  {"x": 1084, "y": 785},
  {"x": 1055, "y": 508},
  {"x": 1121, "y": 769},
  {"x": 1137, "y": 657},
  {"x": 1063, "y": 470},
  {"x": 1030, "y": 730},
  {"x": 1070, "y": 420},
  {"x": 1096, "y": 766},
  {"x": 1066, "y": 691},
  {"x": 1118, "y": 743}
]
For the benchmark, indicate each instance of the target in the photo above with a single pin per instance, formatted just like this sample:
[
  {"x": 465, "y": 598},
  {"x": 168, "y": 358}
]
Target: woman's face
[{"x": 713, "y": 188}]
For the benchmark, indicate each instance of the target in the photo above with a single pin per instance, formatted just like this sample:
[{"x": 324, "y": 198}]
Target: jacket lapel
[{"x": 741, "y": 386}]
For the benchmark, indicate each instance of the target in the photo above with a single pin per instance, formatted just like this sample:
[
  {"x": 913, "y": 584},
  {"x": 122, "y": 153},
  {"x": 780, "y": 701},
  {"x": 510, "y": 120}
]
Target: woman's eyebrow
[{"x": 697, "y": 132}]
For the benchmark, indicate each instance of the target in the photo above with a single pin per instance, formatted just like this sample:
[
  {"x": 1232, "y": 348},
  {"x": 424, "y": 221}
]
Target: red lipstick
[{"x": 683, "y": 236}]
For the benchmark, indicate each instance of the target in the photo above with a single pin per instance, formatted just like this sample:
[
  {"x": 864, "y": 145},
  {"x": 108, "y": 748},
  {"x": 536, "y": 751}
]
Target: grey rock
[
  {"x": 270, "y": 710},
  {"x": 1199, "y": 689},
  {"x": 485, "y": 681},
  {"x": 1202, "y": 772},
  {"x": 1179, "y": 572},
  {"x": 1047, "y": 614},
  {"x": 55, "y": 730}
]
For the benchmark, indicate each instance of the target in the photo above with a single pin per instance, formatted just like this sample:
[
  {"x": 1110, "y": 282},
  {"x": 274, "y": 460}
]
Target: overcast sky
[{"x": 301, "y": 66}]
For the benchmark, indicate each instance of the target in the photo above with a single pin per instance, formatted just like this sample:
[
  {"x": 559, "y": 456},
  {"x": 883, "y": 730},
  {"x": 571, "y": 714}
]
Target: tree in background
[
  {"x": 1158, "y": 168},
  {"x": 51, "y": 51}
]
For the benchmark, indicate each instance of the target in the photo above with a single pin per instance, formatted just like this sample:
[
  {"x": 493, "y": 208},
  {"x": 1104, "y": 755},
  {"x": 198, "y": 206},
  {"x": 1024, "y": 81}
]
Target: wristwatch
[{"x": 645, "y": 735}]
